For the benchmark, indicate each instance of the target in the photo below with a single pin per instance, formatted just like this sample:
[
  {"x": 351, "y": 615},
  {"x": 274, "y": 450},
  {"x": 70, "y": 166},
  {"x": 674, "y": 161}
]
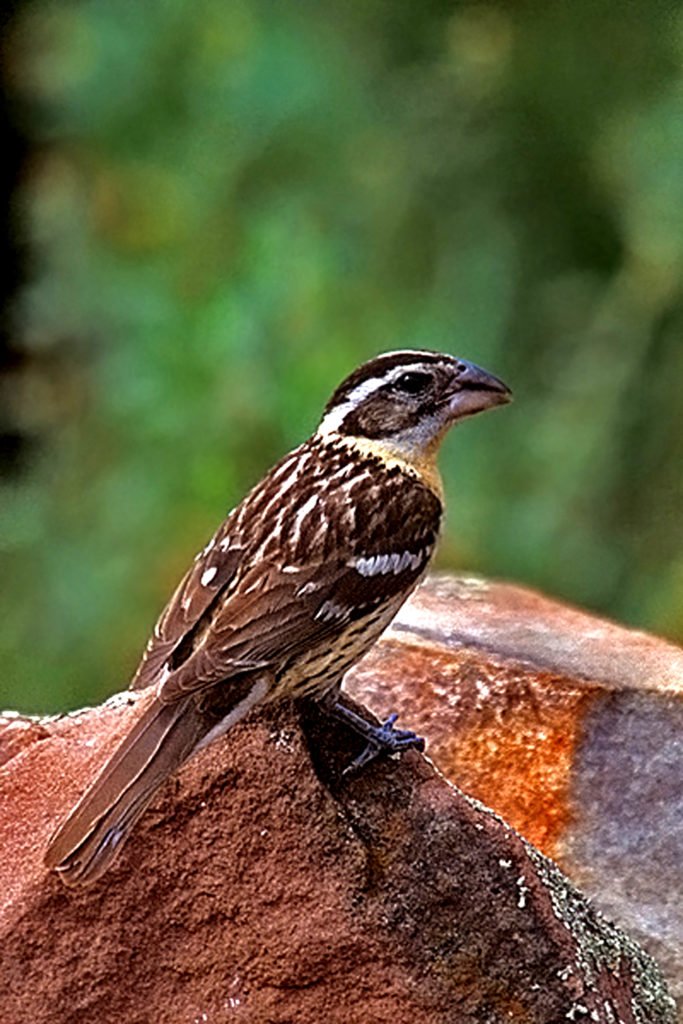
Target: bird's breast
[{"x": 325, "y": 664}]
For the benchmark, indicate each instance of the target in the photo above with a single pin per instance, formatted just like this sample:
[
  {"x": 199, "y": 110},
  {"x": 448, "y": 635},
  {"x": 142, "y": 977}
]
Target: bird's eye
[{"x": 413, "y": 382}]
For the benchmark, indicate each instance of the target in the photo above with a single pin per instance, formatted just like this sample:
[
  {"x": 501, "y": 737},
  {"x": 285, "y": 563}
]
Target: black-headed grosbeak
[{"x": 293, "y": 588}]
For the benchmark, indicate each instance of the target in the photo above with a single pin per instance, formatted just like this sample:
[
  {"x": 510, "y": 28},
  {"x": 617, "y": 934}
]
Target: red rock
[
  {"x": 17, "y": 732},
  {"x": 569, "y": 726},
  {"x": 264, "y": 887}
]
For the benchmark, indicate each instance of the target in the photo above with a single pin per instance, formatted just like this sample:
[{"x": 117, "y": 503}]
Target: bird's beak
[{"x": 475, "y": 390}]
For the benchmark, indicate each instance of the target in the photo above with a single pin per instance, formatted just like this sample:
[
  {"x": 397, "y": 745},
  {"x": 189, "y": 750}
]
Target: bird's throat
[{"x": 420, "y": 464}]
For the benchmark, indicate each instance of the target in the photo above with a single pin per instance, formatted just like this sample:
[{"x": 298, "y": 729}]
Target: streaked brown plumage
[{"x": 293, "y": 588}]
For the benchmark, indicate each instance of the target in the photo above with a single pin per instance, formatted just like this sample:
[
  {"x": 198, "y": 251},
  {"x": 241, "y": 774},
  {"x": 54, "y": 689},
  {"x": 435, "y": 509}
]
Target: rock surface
[
  {"x": 264, "y": 887},
  {"x": 569, "y": 726}
]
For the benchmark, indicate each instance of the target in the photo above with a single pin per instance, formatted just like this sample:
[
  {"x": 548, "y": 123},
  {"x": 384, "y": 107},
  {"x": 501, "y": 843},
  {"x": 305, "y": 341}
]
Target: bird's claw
[{"x": 385, "y": 739}]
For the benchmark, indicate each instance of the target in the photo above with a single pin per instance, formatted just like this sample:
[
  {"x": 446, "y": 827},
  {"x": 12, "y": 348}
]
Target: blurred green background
[{"x": 227, "y": 206}]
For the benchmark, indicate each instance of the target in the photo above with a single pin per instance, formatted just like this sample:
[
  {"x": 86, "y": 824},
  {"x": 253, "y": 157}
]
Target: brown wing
[
  {"x": 211, "y": 573},
  {"x": 276, "y": 614},
  {"x": 314, "y": 546}
]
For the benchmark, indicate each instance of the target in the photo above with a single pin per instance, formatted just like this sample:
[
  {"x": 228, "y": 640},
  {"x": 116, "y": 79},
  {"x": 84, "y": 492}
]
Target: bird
[{"x": 293, "y": 588}]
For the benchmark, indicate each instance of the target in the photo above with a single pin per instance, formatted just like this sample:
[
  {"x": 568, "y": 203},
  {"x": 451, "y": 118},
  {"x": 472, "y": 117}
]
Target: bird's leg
[{"x": 381, "y": 739}]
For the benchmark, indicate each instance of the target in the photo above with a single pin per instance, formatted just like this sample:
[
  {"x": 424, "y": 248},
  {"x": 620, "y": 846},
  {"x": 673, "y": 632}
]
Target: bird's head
[{"x": 403, "y": 403}]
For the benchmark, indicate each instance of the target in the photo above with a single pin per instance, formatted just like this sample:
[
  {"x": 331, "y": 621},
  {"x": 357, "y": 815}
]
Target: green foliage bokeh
[{"x": 231, "y": 205}]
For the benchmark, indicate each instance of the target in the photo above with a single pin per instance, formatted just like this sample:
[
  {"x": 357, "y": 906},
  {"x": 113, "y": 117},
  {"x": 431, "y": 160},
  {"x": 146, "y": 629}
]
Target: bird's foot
[
  {"x": 381, "y": 739},
  {"x": 385, "y": 739}
]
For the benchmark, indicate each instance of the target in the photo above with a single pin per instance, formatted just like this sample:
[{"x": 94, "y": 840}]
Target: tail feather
[{"x": 164, "y": 736}]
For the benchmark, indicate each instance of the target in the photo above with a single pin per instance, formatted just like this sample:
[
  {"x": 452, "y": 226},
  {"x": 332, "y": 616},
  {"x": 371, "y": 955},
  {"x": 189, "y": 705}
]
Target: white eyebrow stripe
[{"x": 335, "y": 417}]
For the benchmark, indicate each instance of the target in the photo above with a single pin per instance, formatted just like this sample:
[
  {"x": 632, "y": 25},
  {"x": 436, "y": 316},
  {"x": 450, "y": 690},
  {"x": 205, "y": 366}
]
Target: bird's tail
[{"x": 164, "y": 736}]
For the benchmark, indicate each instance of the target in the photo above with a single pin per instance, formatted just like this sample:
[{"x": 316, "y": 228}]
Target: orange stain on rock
[
  {"x": 506, "y": 734},
  {"x": 521, "y": 768}
]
